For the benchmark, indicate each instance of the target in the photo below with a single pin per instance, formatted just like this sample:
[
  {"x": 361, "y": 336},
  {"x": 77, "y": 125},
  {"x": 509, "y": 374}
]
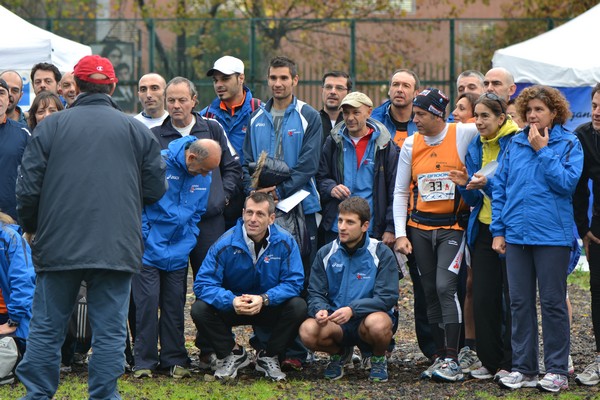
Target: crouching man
[
  {"x": 252, "y": 275},
  {"x": 352, "y": 291}
]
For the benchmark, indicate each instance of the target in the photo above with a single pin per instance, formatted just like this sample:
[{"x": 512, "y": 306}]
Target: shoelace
[
  {"x": 270, "y": 363},
  {"x": 229, "y": 361},
  {"x": 377, "y": 367}
]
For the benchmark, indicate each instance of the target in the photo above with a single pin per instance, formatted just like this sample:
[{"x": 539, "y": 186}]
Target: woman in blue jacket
[
  {"x": 17, "y": 279},
  {"x": 491, "y": 305},
  {"x": 532, "y": 223}
]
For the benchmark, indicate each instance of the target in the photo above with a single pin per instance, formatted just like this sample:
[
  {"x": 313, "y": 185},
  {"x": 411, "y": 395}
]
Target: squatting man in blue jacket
[
  {"x": 352, "y": 291},
  {"x": 170, "y": 229},
  {"x": 252, "y": 275}
]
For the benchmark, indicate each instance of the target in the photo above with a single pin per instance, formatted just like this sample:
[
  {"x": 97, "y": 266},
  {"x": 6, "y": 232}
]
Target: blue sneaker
[
  {"x": 449, "y": 371},
  {"x": 378, "y": 369},
  {"x": 335, "y": 368}
]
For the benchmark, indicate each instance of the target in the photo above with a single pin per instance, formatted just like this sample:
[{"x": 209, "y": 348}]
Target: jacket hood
[
  {"x": 177, "y": 149},
  {"x": 381, "y": 141}
]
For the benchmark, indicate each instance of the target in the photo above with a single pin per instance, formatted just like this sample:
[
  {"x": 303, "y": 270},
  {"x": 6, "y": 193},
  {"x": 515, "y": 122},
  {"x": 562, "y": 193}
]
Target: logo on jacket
[
  {"x": 337, "y": 265},
  {"x": 260, "y": 124},
  {"x": 360, "y": 276},
  {"x": 267, "y": 259},
  {"x": 433, "y": 154},
  {"x": 173, "y": 177},
  {"x": 193, "y": 188}
]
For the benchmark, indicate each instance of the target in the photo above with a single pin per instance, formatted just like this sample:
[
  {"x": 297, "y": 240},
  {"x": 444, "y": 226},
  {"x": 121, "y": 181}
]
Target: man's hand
[
  {"x": 29, "y": 237},
  {"x": 341, "y": 315},
  {"x": 403, "y": 245},
  {"x": 459, "y": 177},
  {"x": 499, "y": 245},
  {"x": 322, "y": 317},
  {"x": 478, "y": 181},
  {"x": 269, "y": 190},
  {"x": 388, "y": 239},
  {"x": 589, "y": 237},
  {"x": 7, "y": 330},
  {"x": 536, "y": 140},
  {"x": 340, "y": 192},
  {"x": 247, "y": 304}
]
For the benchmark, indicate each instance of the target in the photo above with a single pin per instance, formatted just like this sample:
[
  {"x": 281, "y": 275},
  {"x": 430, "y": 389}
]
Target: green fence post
[
  {"x": 151, "y": 44},
  {"x": 352, "y": 71},
  {"x": 452, "y": 83}
]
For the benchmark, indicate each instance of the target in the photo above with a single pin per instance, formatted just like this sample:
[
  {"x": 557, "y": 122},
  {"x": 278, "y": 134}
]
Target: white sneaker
[
  {"x": 269, "y": 366},
  {"x": 229, "y": 366},
  {"x": 517, "y": 380},
  {"x": 590, "y": 375},
  {"x": 481, "y": 373},
  {"x": 468, "y": 360}
]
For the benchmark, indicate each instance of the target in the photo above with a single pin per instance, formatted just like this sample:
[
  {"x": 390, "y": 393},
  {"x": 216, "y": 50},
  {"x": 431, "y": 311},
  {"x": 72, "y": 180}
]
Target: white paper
[{"x": 287, "y": 204}]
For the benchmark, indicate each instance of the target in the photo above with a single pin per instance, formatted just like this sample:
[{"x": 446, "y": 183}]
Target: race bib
[{"x": 435, "y": 186}]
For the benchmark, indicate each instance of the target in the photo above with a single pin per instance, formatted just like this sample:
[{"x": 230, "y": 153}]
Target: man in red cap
[{"x": 85, "y": 178}]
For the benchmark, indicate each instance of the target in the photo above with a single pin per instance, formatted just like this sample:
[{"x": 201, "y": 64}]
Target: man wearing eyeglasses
[
  {"x": 336, "y": 85},
  {"x": 15, "y": 84},
  {"x": 396, "y": 113},
  {"x": 500, "y": 82}
]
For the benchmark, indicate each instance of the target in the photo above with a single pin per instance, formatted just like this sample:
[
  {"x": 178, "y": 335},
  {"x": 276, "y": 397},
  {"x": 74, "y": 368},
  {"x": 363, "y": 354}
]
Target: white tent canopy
[
  {"x": 562, "y": 57},
  {"x": 34, "y": 45}
]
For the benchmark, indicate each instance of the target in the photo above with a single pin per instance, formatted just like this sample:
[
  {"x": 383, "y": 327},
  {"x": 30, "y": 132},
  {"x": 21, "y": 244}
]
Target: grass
[
  {"x": 75, "y": 387},
  {"x": 580, "y": 278}
]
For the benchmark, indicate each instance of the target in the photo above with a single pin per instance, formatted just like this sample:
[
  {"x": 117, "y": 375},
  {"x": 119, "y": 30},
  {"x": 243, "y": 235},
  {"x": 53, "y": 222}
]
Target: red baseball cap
[{"x": 95, "y": 64}]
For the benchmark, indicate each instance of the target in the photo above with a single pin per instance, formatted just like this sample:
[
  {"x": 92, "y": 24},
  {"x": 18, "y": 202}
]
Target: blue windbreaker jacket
[
  {"x": 170, "y": 226},
  {"x": 235, "y": 125},
  {"x": 301, "y": 144},
  {"x": 366, "y": 281},
  {"x": 532, "y": 197},
  {"x": 474, "y": 198},
  {"x": 229, "y": 270},
  {"x": 17, "y": 277},
  {"x": 382, "y": 114}
]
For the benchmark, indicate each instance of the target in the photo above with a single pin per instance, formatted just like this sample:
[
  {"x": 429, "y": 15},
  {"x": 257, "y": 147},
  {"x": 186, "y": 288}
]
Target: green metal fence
[{"x": 369, "y": 49}]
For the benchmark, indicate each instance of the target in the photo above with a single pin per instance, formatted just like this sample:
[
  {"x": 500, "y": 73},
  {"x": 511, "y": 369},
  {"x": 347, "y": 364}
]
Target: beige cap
[{"x": 356, "y": 99}]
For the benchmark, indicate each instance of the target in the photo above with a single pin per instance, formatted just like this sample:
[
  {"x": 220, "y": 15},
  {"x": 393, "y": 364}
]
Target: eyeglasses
[
  {"x": 494, "y": 97},
  {"x": 338, "y": 88}
]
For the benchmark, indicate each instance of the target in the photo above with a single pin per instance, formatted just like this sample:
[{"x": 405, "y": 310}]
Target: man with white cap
[
  {"x": 85, "y": 177},
  {"x": 232, "y": 108},
  {"x": 234, "y": 102},
  {"x": 358, "y": 159},
  {"x": 436, "y": 219}
]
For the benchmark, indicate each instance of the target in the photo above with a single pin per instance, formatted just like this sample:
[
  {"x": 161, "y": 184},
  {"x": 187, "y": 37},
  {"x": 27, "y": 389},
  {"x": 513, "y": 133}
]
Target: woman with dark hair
[
  {"x": 44, "y": 104},
  {"x": 491, "y": 305},
  {"x": 532, "y": 223},
  {"x": 465, "y": 108}
]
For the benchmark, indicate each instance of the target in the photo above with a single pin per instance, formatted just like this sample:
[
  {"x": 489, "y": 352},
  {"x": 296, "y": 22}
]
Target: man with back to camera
[{"x": 85, "y": 208}]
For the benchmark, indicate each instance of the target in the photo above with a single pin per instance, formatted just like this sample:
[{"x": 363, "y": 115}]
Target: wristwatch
[
  {"x": 265, "y": 298},
  {"x": 12, "y": 324}
]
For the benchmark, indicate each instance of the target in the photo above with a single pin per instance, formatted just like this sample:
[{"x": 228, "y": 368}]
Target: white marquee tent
[
  {"x": 564, "y": 58},
  {"x": 32, "y": 45}
]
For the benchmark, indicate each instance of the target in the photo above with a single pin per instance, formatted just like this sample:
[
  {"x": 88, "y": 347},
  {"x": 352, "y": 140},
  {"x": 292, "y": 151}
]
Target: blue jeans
[{"x": 53, "y": 303}]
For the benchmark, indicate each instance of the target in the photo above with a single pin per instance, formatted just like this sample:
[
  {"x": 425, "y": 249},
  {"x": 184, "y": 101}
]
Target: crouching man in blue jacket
[
  {"x": 252, "y": 275},
  {"x": 170, "y": 229},
  {"x": 352, "y": 292}
]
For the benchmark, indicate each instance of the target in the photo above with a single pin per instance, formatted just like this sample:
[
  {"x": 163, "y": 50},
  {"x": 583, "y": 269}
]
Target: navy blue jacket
[
  {"x": 14, "y": 137},
  {"x": 366, "y": 281}
]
